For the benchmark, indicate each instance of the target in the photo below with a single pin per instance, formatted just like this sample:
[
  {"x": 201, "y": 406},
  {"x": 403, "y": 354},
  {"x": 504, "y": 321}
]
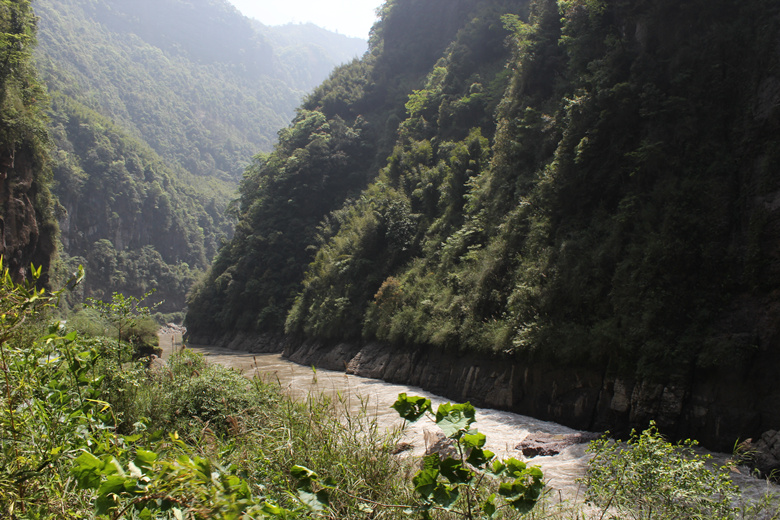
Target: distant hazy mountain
[
  {"x": 315, "y": 50},
  {"x": 158, "y": 106},
  {"x": 200, "y": 83}
]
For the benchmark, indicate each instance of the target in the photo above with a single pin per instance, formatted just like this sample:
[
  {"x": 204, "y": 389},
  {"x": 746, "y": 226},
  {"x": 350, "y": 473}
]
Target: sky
[{"x": 348, "y": 17}]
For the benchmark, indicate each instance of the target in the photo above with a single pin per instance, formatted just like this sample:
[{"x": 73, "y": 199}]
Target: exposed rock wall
[
  {"x": 264, "y": 343},
  {"x": 22, "y": 239},
  {"x": 715, "y": 407}
]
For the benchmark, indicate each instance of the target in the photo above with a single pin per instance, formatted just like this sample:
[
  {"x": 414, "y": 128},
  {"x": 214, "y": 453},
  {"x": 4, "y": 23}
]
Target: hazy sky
[{"x": 349, "y": 17}]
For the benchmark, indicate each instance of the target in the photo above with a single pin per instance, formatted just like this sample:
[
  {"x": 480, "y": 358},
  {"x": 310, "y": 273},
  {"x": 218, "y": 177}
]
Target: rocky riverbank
[{"x": 715, "y": 407}]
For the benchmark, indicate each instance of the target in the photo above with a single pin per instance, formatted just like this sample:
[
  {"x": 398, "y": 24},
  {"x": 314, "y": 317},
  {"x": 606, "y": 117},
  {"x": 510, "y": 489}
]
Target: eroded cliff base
[{"x": 716, "y": 407}]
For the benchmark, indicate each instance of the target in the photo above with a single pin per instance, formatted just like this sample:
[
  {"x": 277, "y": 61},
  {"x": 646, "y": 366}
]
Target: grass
[
  {"x": 250, "y": 423},
  {"x": 250, "y": 432}
]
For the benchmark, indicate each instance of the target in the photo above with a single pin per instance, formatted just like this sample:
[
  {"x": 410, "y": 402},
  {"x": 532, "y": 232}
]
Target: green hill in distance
[{"x": 158, "y": 106}]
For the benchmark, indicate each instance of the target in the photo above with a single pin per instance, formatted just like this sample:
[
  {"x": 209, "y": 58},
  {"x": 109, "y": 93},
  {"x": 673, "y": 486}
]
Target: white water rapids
[{"x": 504, "y": 430}]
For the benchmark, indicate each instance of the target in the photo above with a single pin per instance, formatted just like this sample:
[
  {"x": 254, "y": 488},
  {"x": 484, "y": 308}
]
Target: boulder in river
[
  {"x": 763, "y": 455},
  {"x": 546, "y": 444}
]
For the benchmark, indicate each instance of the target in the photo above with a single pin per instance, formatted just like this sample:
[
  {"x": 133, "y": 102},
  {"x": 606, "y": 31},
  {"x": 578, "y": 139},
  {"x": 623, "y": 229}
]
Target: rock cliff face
[
  {"x": 28, "y": 230},
  {"x": 715, "y": 407},
  {"x": 24, "y": 240}
]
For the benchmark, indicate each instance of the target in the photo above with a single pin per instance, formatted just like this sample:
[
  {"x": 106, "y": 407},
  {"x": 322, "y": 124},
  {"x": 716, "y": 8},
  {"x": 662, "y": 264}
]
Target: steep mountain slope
[
  {"x": 608, "y": 235},
  {"x": 135, "y": 223},
  {"x": 342, "y": 132},
  {"x": 158, "y": 106}
]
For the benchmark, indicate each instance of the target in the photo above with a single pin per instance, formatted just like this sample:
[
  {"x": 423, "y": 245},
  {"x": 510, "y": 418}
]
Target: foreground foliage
[
  {"x": 87, "y": 434},
  {"x": 443, "y": 480},
  {"x": 649, "y": 477},
  {"x": 84, "y": 431},
  {"x": 50, "y": 400}
]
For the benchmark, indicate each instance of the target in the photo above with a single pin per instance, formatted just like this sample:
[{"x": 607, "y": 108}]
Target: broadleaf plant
[
  {"x": 522, "y": 486},
  {"x": 444, "y": 483}
]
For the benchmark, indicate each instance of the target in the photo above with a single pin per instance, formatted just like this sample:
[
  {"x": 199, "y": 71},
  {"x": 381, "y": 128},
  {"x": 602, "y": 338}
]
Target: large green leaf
[
  {"x": 425, "y": 480},
  {"x": 445, "y": 496},
  {"x": 314, "y": 501},
  {"x": 479, "y": 457},
  {"x": 455, "y": 419},
  {"x": 411, "y": 408},
  {"x": 524, "y": 491},
  {"x": 515, "y": 468},
  {"x": 303, "y": 473},
  {"x": 454, "y": 471},
  {"x": 489, "y": 506},
  {"x": 474, "y": 440},
  {"x": 87, "y": 471}
]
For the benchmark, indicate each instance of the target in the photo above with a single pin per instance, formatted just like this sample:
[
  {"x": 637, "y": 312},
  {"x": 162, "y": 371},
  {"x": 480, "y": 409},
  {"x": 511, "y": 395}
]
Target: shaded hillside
[
  {"x": 135, "y": 223},
  {"x": 28, "y": 229},
  {"x": 616, "y": 213}
]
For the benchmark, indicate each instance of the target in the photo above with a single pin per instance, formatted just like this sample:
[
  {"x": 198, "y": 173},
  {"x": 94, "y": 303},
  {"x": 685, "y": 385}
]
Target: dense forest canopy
[
  {"x": 342, "y": 133},
  {"x": 580, "y": 181}
]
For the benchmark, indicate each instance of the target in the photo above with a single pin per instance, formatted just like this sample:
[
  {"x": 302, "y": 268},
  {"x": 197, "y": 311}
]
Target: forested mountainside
[
  {"x": 156, "y": 109},
  {"x": 132, "y": 221},
  {"x": 339, "y": 139},
  {"x": 608, "y": 199},
  {"x": 196, "y": 80},
  {"x": 28, "y": 228}
]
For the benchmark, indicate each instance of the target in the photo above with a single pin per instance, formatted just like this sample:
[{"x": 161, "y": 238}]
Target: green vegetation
[
  {"x": 604, "y": 200},
  {"x": 443, "y": 480},
  {"x": 342, "y": 133},
  {"x": 648, "y": 477},
  {"x": 651, "y": 478},
  {"x": 28, "y": 227},
  {"x": 84, "y": 436},
  {"x": 134, "y": 222},
  {"x": 197, "y": 82},
  {"x": 132, "y": 322},
  {"x": 601, "y": 201},
  {"x": 156, "y": 109}
]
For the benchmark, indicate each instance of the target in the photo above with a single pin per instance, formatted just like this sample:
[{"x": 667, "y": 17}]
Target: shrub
[
  {"x": 218, "y": 397},
  {"x": 88, "y": 322},
  {"x": 142, "y": 334},
  {"x": 648, "y": 477}
]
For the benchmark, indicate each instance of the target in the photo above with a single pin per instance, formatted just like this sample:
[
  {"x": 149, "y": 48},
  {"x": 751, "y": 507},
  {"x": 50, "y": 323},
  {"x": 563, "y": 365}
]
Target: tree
[{"x": 123, "y": 312}]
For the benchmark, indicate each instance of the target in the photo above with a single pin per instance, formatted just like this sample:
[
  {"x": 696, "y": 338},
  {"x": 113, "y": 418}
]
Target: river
[{"x": 504, "y": 430}]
